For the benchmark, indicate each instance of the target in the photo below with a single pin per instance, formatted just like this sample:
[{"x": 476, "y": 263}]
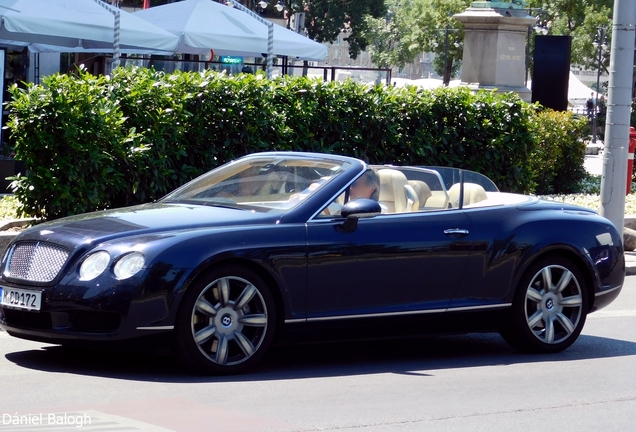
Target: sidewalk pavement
[{"x": 630, "y": 256}]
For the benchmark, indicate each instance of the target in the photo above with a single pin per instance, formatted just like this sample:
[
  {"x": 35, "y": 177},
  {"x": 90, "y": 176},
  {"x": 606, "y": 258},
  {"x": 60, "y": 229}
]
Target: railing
[{"x": 292, "y": 68}]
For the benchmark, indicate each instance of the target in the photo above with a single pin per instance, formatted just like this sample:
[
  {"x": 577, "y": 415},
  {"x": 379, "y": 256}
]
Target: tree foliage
[
  {"x": 440, "y": 33},
  {"x": 580, "y": 19},
  {"x": 325, "y": 20},
  {"x": 416, "y": 26},
  {"x": 391, "y": 38}
]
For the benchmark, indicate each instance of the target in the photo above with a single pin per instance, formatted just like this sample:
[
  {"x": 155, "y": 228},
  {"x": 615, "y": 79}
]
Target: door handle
[{"x": 456, "y": 232}]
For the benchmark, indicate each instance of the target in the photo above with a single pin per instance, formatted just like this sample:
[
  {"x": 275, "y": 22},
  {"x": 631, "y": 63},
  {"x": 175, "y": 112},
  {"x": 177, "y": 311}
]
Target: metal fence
[{"x": 284, "y": 67}]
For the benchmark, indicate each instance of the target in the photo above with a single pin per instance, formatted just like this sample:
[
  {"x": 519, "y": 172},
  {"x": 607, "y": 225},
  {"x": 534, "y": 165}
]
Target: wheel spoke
[
  {"x": 245, "y": 297},
  {"x": 546, "y": 273},
  {"x": 224, "y": 291},
  {"x": 204, "y": 334},
  {"x": 549, "y": 330},
  {"x": 535, "y": 319},
  {"x": 566, "y": 323},
  {"x": 259, "y": 320},
  {"x": 566, "y": 277},
  {"x": 221, "y": 351},
  {"x": 245, "y": 344},
  {"x": 572, "y": 301},
  {"x": 534, "y": 295},
  {"x": 205, "y": 307}
]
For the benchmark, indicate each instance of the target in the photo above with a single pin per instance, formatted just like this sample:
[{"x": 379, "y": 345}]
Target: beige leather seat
[
  {"x": 393, "y": 191},
  {"x": 473, "y": 193},
  {"x": 412, "y": 200},
  {"x": 422, "y": 191}
]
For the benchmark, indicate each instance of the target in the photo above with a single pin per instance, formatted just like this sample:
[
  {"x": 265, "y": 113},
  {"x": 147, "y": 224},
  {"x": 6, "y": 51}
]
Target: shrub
[
  {"x": 92, "y": 143},
  {"x": 559, "y": 152},
  {"x": 71, "y": 139}
]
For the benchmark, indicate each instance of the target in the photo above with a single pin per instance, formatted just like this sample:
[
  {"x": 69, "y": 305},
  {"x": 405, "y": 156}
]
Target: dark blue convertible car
[{"x": 272, "y": 247}]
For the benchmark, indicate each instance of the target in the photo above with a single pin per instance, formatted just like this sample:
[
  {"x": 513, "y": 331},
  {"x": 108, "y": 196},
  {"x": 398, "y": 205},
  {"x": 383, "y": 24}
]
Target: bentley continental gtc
[{"x": 283, "y": 246}]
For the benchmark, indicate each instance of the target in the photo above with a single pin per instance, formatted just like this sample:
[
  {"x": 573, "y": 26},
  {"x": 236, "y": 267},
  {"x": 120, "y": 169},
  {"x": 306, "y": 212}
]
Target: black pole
[
  {"x": 598, "y": 83},
  {"x": 446, "y": 68}
]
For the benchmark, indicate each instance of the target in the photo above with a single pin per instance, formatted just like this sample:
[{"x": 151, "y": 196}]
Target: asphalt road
[{"x": 455, "y": 383}]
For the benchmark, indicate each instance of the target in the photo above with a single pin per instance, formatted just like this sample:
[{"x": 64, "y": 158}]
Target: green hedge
[
  {"x": 98, "y": 142},
  {"x": 558, "y": 156}
]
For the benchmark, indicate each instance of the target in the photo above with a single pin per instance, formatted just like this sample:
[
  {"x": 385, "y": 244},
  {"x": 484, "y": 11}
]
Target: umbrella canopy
[
  {"x": 579, "y": 91},
  {"x": 87, "y": 24},
  {"x": 210, "y": 25}
]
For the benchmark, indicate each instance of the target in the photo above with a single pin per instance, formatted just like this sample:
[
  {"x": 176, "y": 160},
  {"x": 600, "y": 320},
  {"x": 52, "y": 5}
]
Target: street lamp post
[{"x": 599, "y": 43}]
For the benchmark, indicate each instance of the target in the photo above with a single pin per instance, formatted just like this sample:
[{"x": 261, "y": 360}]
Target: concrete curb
[{"x": 630, "y": 256}]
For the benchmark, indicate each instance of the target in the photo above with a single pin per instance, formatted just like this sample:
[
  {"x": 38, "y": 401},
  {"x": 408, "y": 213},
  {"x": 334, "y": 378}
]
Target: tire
[
  {"x": 549, "y": 308},
  {"x": 226, "y": 322}
]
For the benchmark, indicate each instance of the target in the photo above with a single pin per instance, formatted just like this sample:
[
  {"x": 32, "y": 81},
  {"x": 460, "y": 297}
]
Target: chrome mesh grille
[{"x": 36, "y": 261}]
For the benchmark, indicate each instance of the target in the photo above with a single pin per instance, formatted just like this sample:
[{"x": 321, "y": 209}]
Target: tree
[
  {"x": 416, "y": 26},
  {"x": 326, "y": 19},
  {"x": 582, "y": 20},
  {"x": 390, "y": 37},
  {"x": 442, "y": 34}
]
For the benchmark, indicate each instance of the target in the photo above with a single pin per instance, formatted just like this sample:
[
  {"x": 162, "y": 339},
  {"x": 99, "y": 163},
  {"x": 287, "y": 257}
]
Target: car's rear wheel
[
  {"x": 226, "y": 322},
  {"x": 549, "y": 308}
]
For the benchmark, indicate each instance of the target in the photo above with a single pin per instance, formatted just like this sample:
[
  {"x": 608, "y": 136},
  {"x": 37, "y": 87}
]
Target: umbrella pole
[
  {"x": 117, "y": 31},
  {"x": 116, "y": 53},
  {"x": 270, "y": 35}
]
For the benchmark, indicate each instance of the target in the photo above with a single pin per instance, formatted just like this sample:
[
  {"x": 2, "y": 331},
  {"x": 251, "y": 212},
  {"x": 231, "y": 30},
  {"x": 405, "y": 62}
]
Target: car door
[{"x": 404, "y": 263}]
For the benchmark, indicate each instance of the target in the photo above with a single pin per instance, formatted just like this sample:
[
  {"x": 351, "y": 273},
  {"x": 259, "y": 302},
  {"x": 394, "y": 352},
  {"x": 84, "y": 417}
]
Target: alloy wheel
[
  {"x": 229, "y": 320},
  {"x": 553, "y": 304}
]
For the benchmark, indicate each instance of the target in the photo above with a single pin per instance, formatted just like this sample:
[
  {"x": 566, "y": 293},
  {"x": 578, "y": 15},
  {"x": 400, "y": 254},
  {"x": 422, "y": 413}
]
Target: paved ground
[{"x": 451, "y": 383}]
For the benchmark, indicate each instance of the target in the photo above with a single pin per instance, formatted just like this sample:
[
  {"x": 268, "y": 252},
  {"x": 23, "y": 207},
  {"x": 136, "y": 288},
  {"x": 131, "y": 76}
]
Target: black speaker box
[{"x": 551, "y": 71}]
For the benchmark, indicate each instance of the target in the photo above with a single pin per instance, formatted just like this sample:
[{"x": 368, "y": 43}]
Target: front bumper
[{"x": 96, "y": 312}]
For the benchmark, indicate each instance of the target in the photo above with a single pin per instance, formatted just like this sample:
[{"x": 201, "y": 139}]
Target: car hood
[{"x": 98, "y": 227}]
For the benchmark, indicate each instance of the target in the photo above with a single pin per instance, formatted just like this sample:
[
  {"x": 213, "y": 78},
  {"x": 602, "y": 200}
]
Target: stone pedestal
[{"x": 495, "y": 47}]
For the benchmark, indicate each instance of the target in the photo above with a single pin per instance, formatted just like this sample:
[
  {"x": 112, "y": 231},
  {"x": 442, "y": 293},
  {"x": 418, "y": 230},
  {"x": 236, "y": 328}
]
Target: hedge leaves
[{"x": 92, "y": 143}]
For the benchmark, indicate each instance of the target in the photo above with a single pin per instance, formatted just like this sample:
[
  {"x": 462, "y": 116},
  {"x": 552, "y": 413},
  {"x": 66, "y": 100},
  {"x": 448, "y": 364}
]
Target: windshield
[{"x": 267, "y": 183}]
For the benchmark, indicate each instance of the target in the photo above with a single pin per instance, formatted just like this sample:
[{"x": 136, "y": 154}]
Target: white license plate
[{"x": 21, "y": 299}]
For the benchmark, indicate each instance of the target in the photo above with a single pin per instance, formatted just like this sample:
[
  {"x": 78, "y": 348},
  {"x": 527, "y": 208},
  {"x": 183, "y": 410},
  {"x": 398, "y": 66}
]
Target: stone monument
[{"x": 495, "y": 46}]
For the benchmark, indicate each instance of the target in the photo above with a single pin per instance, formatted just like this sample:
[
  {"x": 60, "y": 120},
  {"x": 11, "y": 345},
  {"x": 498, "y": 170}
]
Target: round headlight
[
  {"x": 94, "y": 265},
  {"x": 129, "y": 265}
]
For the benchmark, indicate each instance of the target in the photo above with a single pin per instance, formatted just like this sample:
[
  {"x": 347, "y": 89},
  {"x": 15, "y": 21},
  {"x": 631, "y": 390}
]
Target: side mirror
[
  {"x": 357, "y": 209},
  {"x": 361, "y": 208}
]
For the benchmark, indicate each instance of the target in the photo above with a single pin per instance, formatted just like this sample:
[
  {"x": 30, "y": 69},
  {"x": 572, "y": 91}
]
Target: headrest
[
  {"x": 422, "y": 191},
  {"x": 473, "y": 193},
  {"x": 392, "y": 192}
]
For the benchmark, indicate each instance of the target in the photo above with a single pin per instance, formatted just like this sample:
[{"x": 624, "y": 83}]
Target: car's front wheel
[
  {"x": 549, "y": 308},
  {"x": 226, "y": 321}
]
